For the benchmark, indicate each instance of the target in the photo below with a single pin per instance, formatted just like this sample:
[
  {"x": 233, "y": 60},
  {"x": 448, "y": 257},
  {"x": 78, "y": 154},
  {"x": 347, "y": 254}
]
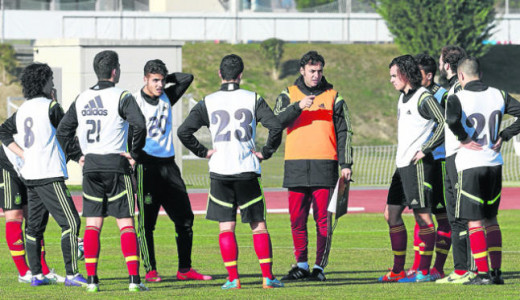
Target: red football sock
[
  {"x": 229, "y": 252},
  {"x": 14, "y": 237},
  {"x": 264, "y": 251},
  {"x": 442, "y": 243},
  {"x": 494, "y": 244},
  {"x": 398, "y": 241},
  {"x": 91, "y": 249},
  {"x": 427, "y": 236},
  {"x": 416, "y": 243},
  {"x": 477, "y": 240},
  {"x": 130, "y": 249},
  {"x": 45, "y": 268}
]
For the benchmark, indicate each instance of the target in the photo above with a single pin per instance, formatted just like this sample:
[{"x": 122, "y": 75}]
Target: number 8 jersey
[
  {"x": 101, "y": 129},
  {"x": 233, "y": 129},
  {"x": 43, "y": 156},
  {"x": 482, "y": 113}
]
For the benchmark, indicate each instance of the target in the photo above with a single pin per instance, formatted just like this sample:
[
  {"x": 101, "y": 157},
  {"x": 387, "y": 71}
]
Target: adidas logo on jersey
[
  {"x": 408, "y": 112},
  {"x": 19, "y": 242},
  {"x": 414, "y": 202},
  {"x": 439, "y": 206},
  {"x": 94, "y": 108}
]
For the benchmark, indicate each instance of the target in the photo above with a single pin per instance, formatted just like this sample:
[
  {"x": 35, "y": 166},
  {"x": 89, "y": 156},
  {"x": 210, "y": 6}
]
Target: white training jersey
[
  {"x": 14, "y": 159},
  {"x": 43, "y": 156},
  {"x": 233, "y": 130},
  {"x": 451, "y": 143},
  {"x": 159, "y": 136},
  {"x": 412, "y": 129},
  {"x": 481, "y": 116},
  {"x": 101, "y": 130}
]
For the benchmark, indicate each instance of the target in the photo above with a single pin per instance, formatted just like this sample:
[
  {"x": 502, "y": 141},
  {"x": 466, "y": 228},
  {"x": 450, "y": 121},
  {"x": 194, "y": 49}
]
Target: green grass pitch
[{"x": 360, "y": 254}]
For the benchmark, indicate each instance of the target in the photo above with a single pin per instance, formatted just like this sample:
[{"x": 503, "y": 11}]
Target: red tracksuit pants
[{"x": 300, "y": 200}]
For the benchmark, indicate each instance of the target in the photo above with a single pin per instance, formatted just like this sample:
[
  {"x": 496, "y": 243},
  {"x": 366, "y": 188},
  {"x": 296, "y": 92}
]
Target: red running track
[{"x": 361, "y": 200}]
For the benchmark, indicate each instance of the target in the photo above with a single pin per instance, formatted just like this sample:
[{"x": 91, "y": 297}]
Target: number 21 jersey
[
  {"x": 233, "y": 130},
  {"x": 101, "y": 130}
]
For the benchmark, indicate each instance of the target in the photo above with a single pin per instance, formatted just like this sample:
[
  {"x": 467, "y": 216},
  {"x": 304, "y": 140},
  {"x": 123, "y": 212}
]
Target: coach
[{"x": 319, "y": 139}]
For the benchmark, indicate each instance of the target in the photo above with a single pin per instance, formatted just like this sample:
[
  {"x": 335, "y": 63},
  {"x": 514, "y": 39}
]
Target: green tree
[
  {"x": 8, "y": 62},
  {"x": 425, "y": 26},
  {"x": 272, "y": 49},
  {"x": 311, "y": 3}
]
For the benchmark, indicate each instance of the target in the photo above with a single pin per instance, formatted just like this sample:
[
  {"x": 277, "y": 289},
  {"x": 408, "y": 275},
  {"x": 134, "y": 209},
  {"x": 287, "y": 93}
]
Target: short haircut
[
  {"x": 155, "y": 66},
  {"x": 313, "y": 58},
  {"x": 408, "y": 68},
  {"x": 104, "y": 63},
  {"x": 452, "y": 55},
  {"x": 231, "y": 66},
  {"x": 470, "y": 66},
  {"x": 427, "y": 63},
  {"x": 34, "y": 78}
]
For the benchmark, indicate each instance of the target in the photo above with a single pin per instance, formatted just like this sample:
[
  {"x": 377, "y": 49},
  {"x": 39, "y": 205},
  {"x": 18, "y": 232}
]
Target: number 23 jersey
[{"x": 233, "y": 130}]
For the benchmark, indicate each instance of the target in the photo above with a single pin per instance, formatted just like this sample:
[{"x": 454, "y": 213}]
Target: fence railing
[{"x": 373, "y": 165}]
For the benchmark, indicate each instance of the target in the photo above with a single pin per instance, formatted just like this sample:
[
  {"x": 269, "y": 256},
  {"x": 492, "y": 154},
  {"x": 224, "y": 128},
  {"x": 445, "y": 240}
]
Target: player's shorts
[
  {"x": 108, "y": 194},
  {"x": 13, "y": 193},
  {"x": 439, "y": 193},
  {"x": 412, "y": 185},
  {"x": 479, "y": 193},
  {"x": 226, "y": 196}
]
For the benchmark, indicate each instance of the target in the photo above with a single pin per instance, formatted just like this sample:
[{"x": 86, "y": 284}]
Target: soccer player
[
  {"x": 159, "y": 178},
  {"x": 462, "y": 260},
  {"x": 428, "y": 68},
  {"x": 418, "y": 113},
  {"x": 100, "y": 117},
  {"x": 31, "y": 134},
  {"x": 13, "y": 201},
  {"x": 319, "y": 139},
  {"x": 474, "y": 116},
  {"x": 234, "y": 164}
]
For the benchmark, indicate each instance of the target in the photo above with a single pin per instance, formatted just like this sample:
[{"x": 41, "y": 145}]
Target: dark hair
[
  {"x": 231, "y": 66},
  {"x": 313, "y": 58},
  {"x": 34, "y": 78},
  {"x": 104, "y": 63},
  {"x": 409, "y": 69},
  {"x": 427, "y": 63},
  {"x": 470, "y": 66},
  {"x": 452, "y": 55},
  {"x": 155, "y": 66}
]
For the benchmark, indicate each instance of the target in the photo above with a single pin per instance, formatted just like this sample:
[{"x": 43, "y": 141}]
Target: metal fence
[{"x": 375, "y": 165}]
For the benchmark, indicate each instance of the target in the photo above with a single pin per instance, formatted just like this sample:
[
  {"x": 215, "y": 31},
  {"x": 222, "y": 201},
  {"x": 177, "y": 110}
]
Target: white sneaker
[
  {"x": 55, "y": 277},
  {"x": 134, "y": 287},
  {"x": 25, "y": 278},
  {"x": 93, "y": 288}
]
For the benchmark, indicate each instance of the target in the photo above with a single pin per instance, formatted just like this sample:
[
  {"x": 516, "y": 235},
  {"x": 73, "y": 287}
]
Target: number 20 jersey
[
  {"x": 101, "y": 130},
  {"x": 159, "y": 138},
  {"x": 481, "y": 116},
  {"x": 233, "y": 130},
  {"x": 43, "y": 156}
]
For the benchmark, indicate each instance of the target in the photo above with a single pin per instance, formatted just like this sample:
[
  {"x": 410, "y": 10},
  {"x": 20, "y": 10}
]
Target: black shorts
[
  {"x": 439, "y": 192},
  {"x": 225, "y": 196},
  {"x": 108, "y": 194},
  {"x": 478, "y": 196},
  {"x": 412, "y": 185},
  {"x": 13, "y": 193}
]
